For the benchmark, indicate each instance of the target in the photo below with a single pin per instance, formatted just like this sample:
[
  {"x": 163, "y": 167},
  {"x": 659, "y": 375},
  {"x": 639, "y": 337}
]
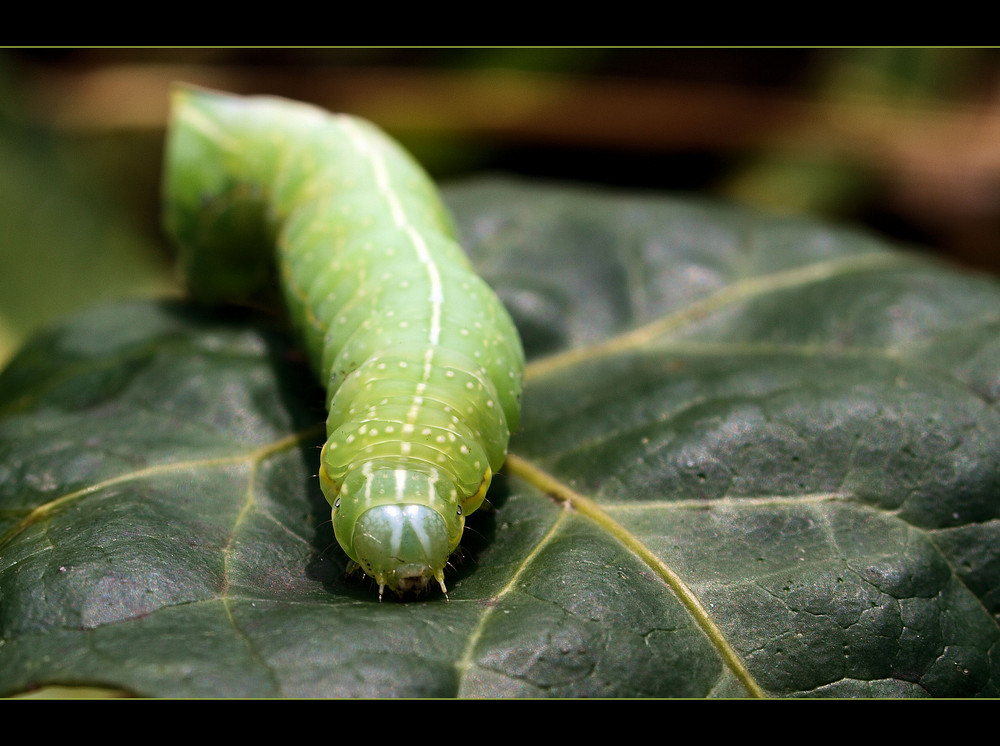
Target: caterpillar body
[{"x": 422, "y": 363}]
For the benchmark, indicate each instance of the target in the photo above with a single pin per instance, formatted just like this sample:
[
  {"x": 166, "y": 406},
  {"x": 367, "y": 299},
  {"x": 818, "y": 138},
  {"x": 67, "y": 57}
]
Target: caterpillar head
[{"x": 401, "y": 527}]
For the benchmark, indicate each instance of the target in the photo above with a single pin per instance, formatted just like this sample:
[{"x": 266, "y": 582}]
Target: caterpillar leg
[{"x": 419, "y": 586}]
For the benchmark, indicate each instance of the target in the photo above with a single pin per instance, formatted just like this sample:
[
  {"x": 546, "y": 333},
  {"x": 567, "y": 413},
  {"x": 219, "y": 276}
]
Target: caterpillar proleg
[{"x": 421, "y": 362}]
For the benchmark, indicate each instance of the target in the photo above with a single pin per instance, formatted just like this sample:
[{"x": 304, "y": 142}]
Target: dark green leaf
[{"x": 758, "y": 455}]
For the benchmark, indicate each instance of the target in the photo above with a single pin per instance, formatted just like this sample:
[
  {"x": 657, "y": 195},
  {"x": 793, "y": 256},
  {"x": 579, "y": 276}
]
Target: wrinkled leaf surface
[{"x": 758, "y": 456}]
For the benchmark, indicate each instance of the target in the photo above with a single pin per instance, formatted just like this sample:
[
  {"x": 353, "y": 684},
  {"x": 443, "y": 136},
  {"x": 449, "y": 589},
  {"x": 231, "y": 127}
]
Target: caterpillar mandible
[{"x": 421, "y": 362}]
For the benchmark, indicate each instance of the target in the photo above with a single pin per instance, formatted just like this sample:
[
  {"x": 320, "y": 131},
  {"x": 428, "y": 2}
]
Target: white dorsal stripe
[
  {"x": 367, "y": 471},
  {"x": 396, "y": 537},
  {"x": 383, "y": 183},
  {"x": 417, "y": 526},
  {"x": 400, "y": 485},
  {"x": 436, "y": 298}
]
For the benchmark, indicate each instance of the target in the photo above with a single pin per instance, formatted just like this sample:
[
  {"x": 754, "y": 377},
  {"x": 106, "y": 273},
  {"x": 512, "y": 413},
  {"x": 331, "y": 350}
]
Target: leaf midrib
[{"x": 583, "y": 505}]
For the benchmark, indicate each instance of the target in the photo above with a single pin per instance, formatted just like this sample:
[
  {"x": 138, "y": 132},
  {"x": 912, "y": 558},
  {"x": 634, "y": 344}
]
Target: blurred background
[{"x": 904, "y": 141}]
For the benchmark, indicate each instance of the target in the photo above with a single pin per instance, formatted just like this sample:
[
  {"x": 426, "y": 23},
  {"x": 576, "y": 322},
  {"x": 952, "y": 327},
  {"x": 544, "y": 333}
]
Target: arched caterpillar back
[{"x": 421, "y": 361}]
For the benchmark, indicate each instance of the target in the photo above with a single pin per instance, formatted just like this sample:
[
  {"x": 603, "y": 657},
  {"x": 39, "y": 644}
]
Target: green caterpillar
[{"x": 421, "y": 361}]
